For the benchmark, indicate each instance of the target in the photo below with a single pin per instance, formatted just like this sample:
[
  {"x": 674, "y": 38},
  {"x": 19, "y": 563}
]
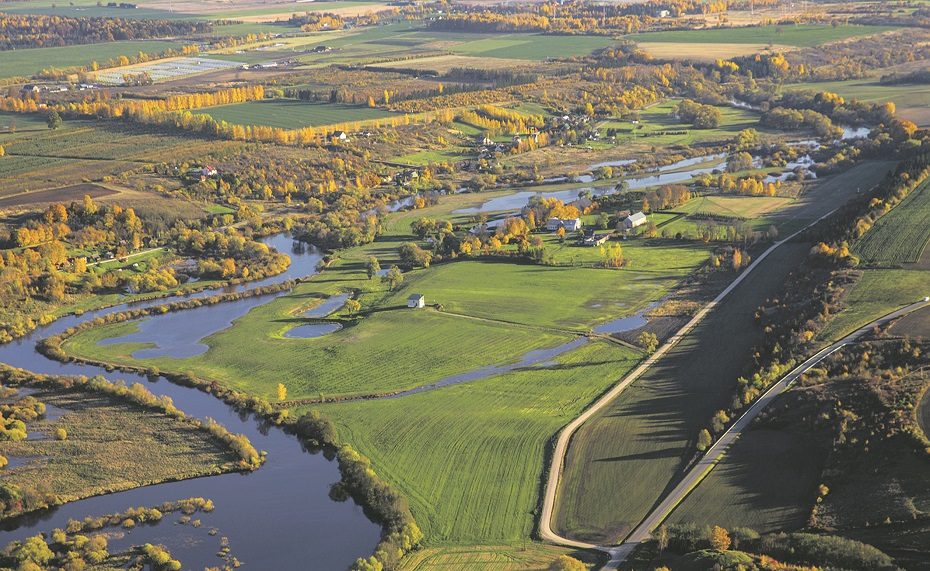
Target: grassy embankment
[
  {"x": 106, "y": 439},
  {"x": 661, "y": 414},
  {"x": 895, "y": 248}
]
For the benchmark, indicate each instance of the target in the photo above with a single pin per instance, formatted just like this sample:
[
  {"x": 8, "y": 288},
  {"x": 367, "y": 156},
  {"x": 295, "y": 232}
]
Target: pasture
[
  {"x": 658, "y": 125},
  {"x": 379, "y": 46},
  {"x": 900, "y": 236},
  {"x": 571, "y": 298},
  {"x": 878, "y": 292},
  {"x": 443, "y": 63},
  {"x": 39, "y": 159},
  {"x": 705, "y": 52},
  {"x": 392, "y": 350},
  {"x": 801, "y": 35},
  {"x": 27, "y": 62},
  {"x": 470, "y": 457},
  {"x": 291, "y": 113},
  {"x": 529, "y": 46},
  {"x": 912, "y": 100}
]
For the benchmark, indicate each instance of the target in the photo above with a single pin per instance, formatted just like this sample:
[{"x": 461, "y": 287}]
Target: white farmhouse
[
  {"x": 570, "y": 224},
  {"x": 416, "y": 301}
]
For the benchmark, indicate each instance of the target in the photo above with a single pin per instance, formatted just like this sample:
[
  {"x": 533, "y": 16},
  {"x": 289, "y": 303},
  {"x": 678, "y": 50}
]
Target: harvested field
[
  {"x": 65, "y": 194},
  {"x": 706, "y": 52},
  {"x": 346, "y": 9},
  {"x": 916, "y": 324},
  {"x": 442, "y": 64},
  {"x": 804, "y": 35}
]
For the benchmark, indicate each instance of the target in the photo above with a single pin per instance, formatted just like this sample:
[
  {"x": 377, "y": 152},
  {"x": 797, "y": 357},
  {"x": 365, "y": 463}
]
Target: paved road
[
  {"x": 715, "y": 453},
  {"x": 564, "y": 437}
]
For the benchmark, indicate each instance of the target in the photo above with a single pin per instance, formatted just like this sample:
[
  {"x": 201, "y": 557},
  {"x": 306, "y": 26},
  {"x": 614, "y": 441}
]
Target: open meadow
[
  {"x": 802, "y": 35},
  {"x": 30, "y": 61},
  {"x": 911, "y": 100},
  {"x": 291, "y": 113},
  {"x": 470, "y": 457}
]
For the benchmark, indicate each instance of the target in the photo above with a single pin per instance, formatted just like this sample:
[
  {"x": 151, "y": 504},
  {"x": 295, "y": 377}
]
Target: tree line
[{"x": 18, "y": 31}]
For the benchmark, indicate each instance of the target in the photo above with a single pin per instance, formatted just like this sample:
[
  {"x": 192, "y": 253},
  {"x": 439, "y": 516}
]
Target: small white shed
[{"x": 416, "y": 301}]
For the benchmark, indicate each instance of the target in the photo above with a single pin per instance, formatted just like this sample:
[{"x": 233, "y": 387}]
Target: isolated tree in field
[
  {"x": 353, "y": 306},
  {"x": 61, "y": 434},
  {"x": 719, "y": 538},
  {"x": 2, "y": 151},
  {"x": 662, "y": 537},
  {"x": 53, "y": 119},
  {"x": 372, "y": 267},
  {"x": 566, "y": 563},
  {"x": 393, "y": 278},
  {"x": 282, "y": 392},
  {"x": 704, "y": 440},
  {"x": 648, "y": 341}
]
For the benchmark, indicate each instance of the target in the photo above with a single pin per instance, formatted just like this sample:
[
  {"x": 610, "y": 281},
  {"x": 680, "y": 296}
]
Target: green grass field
[
  {"x": 912, "y": 100},
  {"x": 530, "y": 46},
  {"x": 900, "y": 236},
  {"x": 878, "y": 292},
  {"x": 574, "y": 298},
  {"x": 470, "y": 457},
  {"x": 388, "y": 351},
  {"x": 290, "y": 113},
  {"x": 793, "y": 35},
  {"x": 655, "y": 121},
  {"x": 88, "y": 9},
  {"x": 30, "y": 61}
]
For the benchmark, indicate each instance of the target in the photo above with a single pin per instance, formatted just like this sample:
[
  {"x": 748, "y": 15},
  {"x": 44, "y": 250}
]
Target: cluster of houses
[
  {"x": 34, "y": 88},
  {"x": 488, "y": 148}
]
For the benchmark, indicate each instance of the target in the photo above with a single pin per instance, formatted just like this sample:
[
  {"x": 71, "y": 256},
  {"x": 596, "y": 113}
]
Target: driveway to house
[{"x": 716, "y": 452}]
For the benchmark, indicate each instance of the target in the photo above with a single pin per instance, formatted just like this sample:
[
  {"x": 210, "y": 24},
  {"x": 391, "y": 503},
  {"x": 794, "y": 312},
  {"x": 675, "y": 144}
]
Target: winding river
[{"x": 278, "y": 517}]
